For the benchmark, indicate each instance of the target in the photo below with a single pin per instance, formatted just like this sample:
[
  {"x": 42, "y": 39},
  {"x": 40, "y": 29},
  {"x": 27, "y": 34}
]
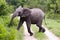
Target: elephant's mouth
[{"x": 23, "y": 16}]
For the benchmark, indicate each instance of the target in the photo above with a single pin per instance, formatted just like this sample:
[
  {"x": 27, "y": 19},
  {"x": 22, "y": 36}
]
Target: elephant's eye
[{"x": 19, "y": 12}]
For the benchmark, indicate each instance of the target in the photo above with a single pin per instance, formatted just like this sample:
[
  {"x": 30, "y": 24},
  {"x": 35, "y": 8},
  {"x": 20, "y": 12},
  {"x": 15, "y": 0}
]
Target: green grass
[
  {"x": 20, "y": 34},
  {"x": 38, "y": 35},
  {"x": 54, "y": 26}
]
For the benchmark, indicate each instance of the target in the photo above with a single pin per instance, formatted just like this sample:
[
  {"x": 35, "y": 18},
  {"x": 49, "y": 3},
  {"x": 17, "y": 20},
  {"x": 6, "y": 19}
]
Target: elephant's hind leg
[{"x": 39, "y": 24}]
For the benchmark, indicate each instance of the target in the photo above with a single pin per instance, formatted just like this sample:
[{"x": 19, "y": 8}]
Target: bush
[
  {"x": 4, "y": 20},
  {"x": 7, "y": 35},
  {"x": 5, "y": 8},
  {"x": 5, "y": 32},
  {"x": 12, "y": 34}
]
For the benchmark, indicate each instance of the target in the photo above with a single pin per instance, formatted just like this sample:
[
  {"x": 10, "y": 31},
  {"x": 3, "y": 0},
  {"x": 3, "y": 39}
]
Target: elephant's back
[{"x": 36, "y": 14}]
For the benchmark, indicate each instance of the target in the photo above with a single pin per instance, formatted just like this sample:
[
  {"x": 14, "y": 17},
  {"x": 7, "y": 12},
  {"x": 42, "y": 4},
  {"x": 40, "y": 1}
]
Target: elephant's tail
[{"x": 45, "y": 21}]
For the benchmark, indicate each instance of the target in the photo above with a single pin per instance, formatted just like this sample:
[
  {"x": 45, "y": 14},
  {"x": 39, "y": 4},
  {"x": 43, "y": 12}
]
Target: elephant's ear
[
  {"x": 19, "y": 8},
  {"x": 26, "y": 11}
]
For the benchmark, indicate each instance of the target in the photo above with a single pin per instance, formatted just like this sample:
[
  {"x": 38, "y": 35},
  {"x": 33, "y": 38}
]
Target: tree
[{"x": 5, "y": 8}]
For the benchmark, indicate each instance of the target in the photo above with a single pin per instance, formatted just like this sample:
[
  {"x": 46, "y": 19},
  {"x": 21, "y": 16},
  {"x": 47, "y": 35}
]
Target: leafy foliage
[
  {"x": 7, "y": 35},
  {"x": 45, "y": 5},
  {"x": 5, "y": 8}
]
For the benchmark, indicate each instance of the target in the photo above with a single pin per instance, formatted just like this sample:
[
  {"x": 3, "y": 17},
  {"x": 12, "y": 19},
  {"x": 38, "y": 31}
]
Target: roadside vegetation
[
  {"x": 53, "y": 24},
  {"x": 9, "y": 33},
  {"x": 6, "y": 32}
]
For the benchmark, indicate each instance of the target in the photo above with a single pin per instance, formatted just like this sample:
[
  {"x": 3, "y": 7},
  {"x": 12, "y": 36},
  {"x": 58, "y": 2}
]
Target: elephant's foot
[
  {"x": 42, "y": 30},
  {"x": 18, "y": 29},
  {"x": 31, "y": 34}
]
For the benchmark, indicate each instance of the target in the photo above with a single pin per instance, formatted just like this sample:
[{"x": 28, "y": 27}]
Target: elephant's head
[
  {"x": 18, "y": 11},
  {"x": 22, "y": 12}
]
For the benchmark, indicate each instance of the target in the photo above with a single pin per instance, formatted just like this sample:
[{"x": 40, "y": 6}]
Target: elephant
[{"x": 30, "y": 16}]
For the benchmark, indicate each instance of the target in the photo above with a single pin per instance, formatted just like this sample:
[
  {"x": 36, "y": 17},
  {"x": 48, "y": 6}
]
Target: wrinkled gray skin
[{"x": 31, "y": 16}]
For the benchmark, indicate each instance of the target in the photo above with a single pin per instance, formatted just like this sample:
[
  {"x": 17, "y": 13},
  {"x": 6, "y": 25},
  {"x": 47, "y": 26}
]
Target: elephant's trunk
[{"x": 13, "y": 16}]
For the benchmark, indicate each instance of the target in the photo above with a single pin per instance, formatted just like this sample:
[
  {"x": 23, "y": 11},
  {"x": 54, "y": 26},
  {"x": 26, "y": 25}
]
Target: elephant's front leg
[
  {"x": 28, "y": 27},
  {"x": 20, "y": 23}
]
